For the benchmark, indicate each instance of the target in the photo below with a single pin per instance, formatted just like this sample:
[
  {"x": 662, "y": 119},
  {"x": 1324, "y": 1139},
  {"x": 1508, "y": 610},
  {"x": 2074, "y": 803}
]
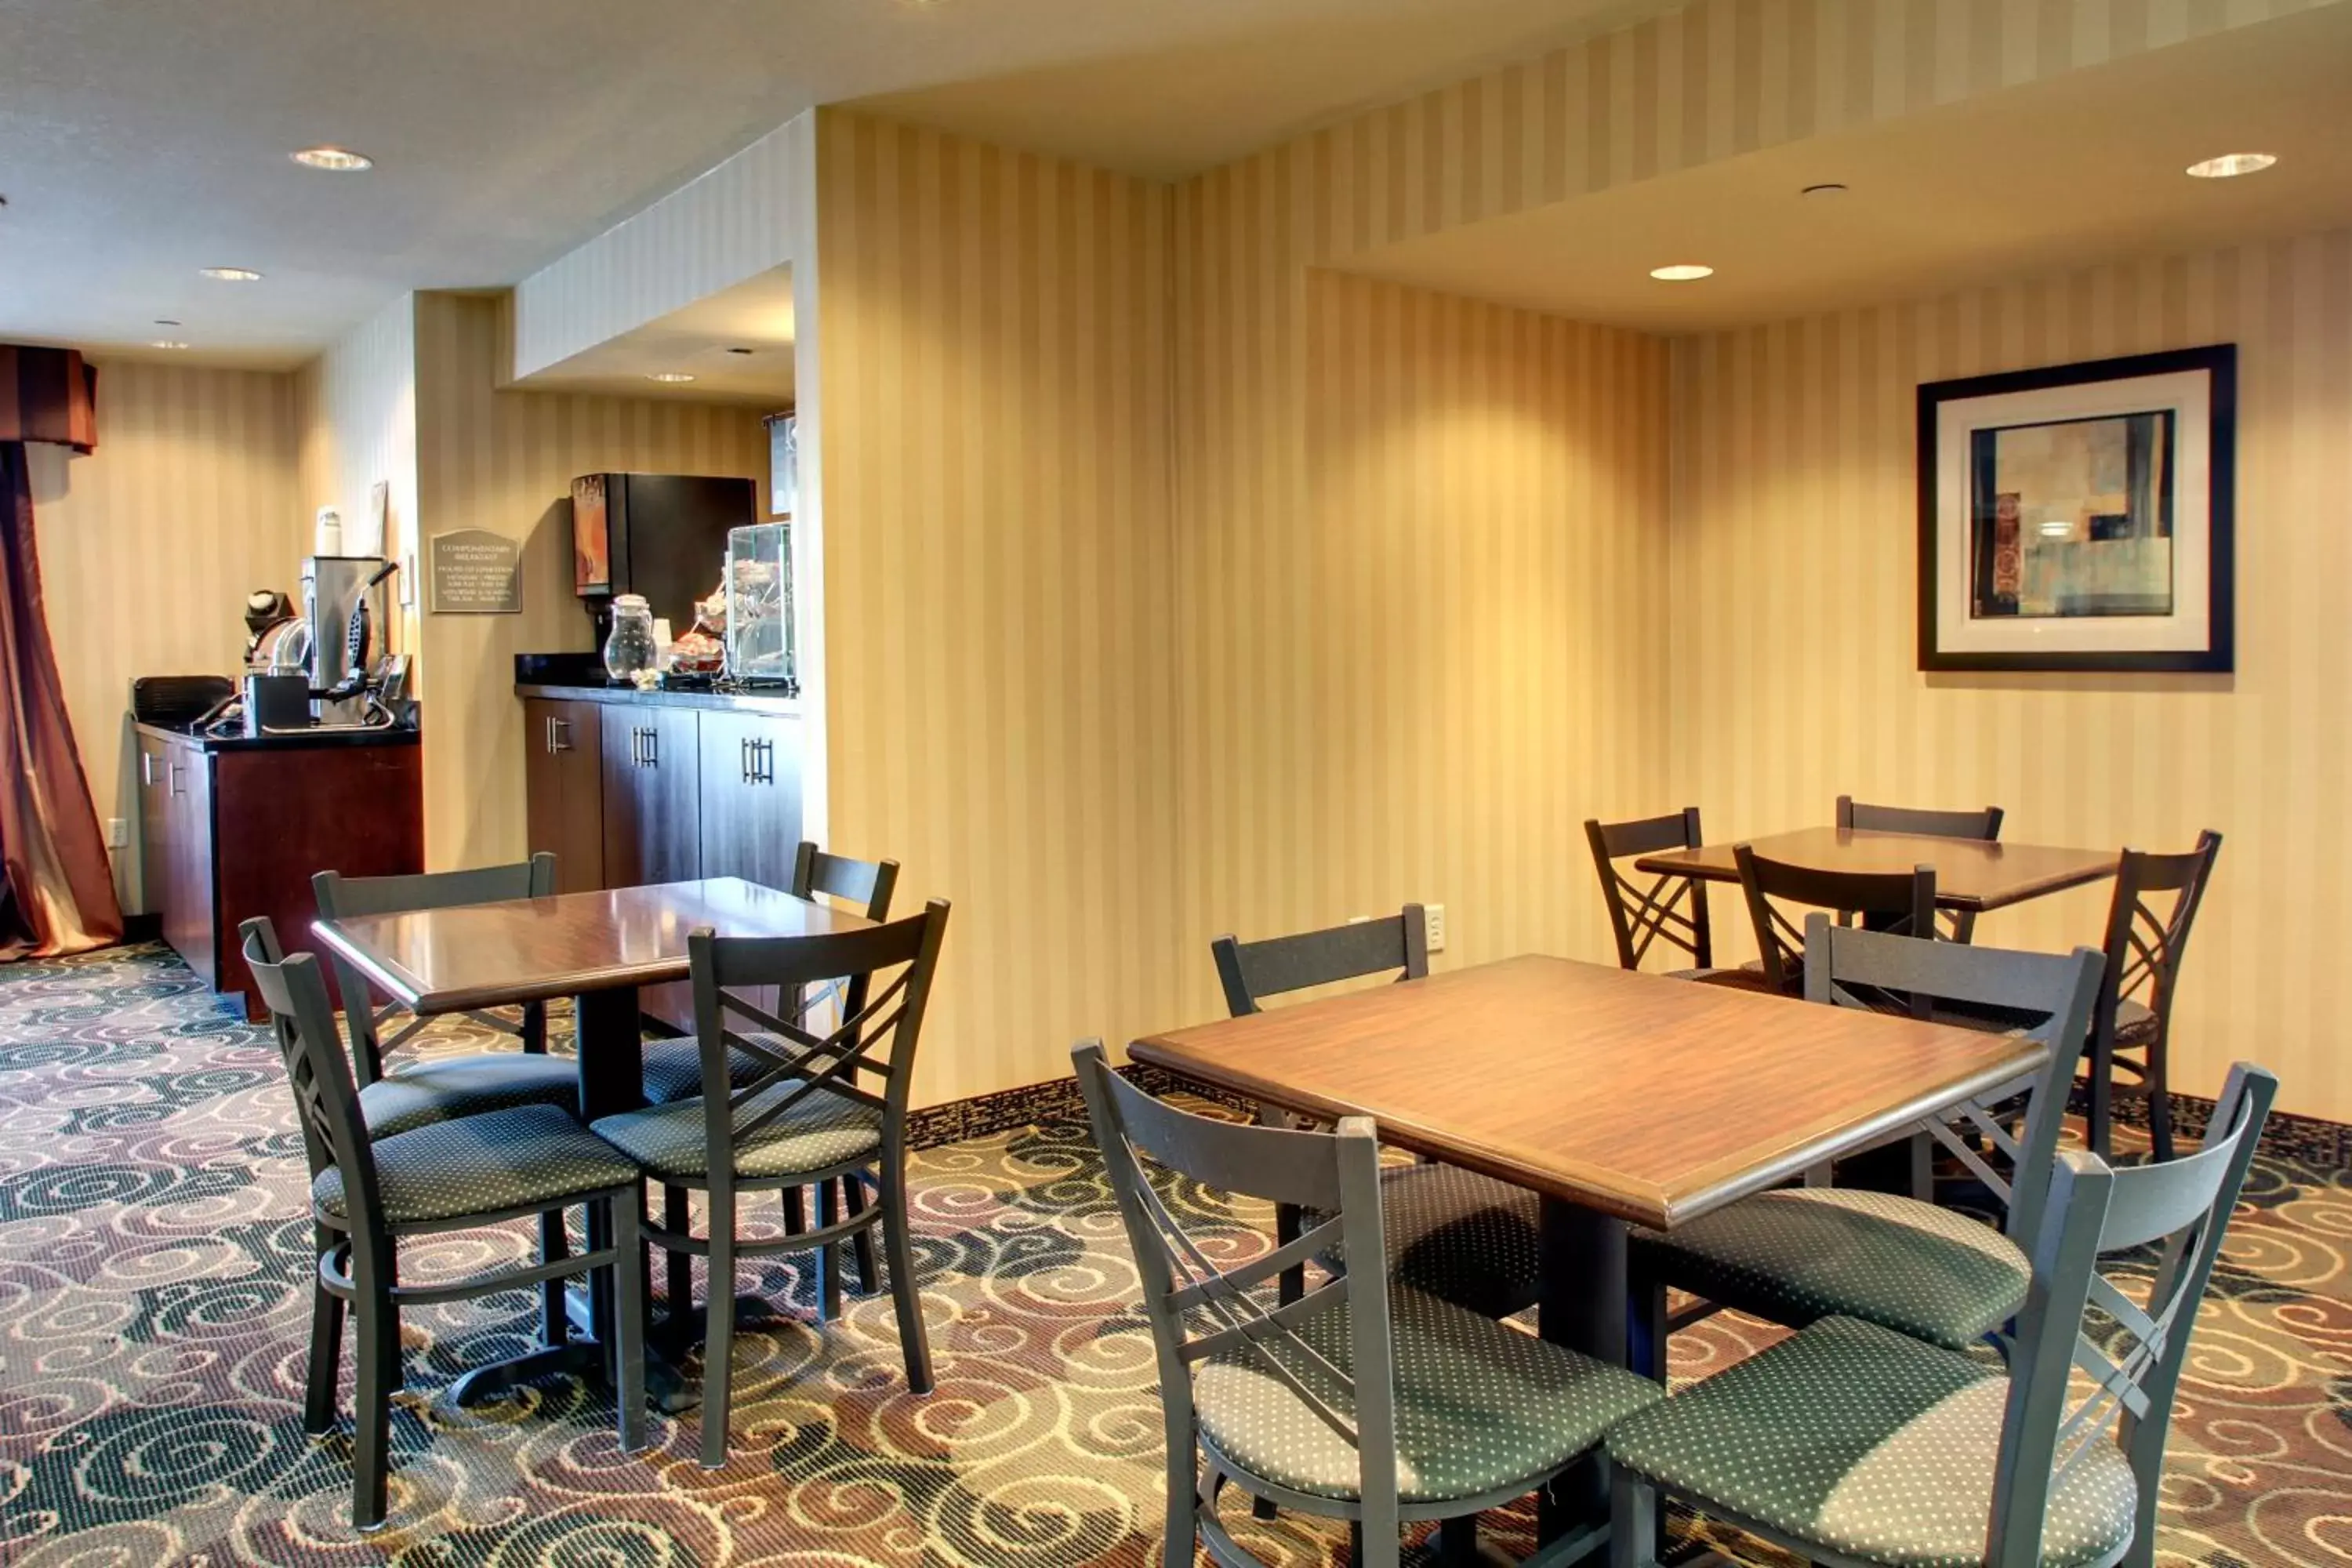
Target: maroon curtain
[{"x": 58, "y": 896}]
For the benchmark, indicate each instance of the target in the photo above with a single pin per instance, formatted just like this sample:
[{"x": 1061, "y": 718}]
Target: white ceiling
[
  {"x": 701, "y": 341},
  {"x": 2084, "y": 170},
  {"x": 141, "y": 140}
]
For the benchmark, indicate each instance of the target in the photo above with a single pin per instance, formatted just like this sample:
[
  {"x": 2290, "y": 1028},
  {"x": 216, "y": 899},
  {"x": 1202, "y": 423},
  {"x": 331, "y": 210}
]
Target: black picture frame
[{"x": 2219, "y": 364}]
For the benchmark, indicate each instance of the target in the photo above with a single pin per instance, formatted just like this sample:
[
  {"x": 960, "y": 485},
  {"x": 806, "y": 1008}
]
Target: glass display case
[{"x": 759, "y": 626}]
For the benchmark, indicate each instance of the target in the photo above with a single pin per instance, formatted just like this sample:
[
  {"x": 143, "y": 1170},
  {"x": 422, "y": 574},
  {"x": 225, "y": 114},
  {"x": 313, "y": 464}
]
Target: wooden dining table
[
  {"x": 1972, "y": 875},
  {"x": 601, "y": 949},
  {"x": 1618, "y": 1098}
]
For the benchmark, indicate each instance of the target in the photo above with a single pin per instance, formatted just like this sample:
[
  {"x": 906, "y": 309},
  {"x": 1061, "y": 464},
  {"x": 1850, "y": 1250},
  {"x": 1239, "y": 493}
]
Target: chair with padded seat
[
  {"x": 673, "y": 1070},
  {"x": 368, "y": 1193},
  {"x": 1983, "y": 826},
  {"x": 438, "y": 1089},
  {"x": 1856, "y": 1447},
  {"x": 2132, "y": 1030},
  {"x": 1366, "y": 1400},
  {"x": 1453, "y": 1232},
  {"x": 805, "y": 1120},
  {"x": 1671, "y": 909},
  {"x": 1799, "y": 1253},
  {"x": 1899, "y": 901}
]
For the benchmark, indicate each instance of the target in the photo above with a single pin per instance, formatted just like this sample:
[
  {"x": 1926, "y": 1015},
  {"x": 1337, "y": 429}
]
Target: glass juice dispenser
[{"x": 759, "y": 626}]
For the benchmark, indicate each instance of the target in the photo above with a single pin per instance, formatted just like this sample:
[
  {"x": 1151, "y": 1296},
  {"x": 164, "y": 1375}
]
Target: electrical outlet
[
  {"x": 1434, "y": 915},
  {"x": 118, "y": 833}
]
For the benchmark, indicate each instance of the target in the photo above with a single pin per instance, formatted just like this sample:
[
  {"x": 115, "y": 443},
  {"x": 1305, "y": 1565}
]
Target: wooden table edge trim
[
  {"x": 1666, "y": 865},
  {"x": 403, "y": 988},
  {"x": 1663, "y": 1209}
]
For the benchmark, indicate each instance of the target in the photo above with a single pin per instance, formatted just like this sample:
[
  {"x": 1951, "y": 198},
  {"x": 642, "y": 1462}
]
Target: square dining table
[
  {"x": 601, "y": 949},
  {"x": 1972, "y": 875},
  {"x": 1619, "y": 1098}
]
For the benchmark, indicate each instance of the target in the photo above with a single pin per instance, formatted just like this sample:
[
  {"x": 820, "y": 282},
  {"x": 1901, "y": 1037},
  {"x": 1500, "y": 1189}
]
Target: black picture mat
[{"x": 2218, "y": 362}]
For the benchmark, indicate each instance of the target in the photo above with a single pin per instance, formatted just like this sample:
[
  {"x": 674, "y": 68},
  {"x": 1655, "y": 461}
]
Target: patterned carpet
[{"x": 153, "y": 1236}]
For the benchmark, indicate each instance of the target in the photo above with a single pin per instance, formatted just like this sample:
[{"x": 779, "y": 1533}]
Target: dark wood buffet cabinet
[{"x": 627, "y": 787}]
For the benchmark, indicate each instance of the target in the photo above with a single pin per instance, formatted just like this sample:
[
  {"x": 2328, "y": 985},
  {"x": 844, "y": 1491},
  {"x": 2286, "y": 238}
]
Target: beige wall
[
  {"x": 1793, "y": 676},
  {"x": 995, "y": 461},
  {"x": 504, "y": 461},
  {"x": 355, "y": 410},
  {"x": 150, "y": 545},
  {"x": 1420, "y": 571}
]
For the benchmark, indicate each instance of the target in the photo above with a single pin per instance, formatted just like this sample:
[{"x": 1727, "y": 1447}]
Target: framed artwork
[{"x": 2079, "y": 518}]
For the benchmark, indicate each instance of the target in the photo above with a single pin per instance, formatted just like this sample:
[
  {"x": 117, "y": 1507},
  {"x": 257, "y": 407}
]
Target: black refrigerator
[{"x": 661, "y": 535}]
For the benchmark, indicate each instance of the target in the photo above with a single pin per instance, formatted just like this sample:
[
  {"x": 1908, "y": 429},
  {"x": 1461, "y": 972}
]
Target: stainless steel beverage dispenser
[{"x": 342, "y": 600}]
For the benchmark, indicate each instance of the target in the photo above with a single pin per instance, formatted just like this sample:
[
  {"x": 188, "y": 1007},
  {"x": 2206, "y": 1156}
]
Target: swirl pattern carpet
[{"x": 153, "y": 1242}]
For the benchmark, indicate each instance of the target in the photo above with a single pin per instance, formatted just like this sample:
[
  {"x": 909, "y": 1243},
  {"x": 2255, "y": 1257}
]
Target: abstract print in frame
[{"x": 2079, "y": 517}]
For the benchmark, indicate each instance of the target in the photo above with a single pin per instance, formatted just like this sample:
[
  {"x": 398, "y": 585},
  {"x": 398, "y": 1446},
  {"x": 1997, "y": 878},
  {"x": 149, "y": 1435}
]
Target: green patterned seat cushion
[
  {"x": 1804, "y": 1253},
  {"x": 674, "y": 1069},
  {"x": 1457, "y": 1235},
  {"x": 1871, "y": 1444},
  {"x": 1480, "y": 1406},
  {"x": 2134, "y": 1025},
  {"x": 483, "y": 1164},
  {"x": 821, "y": 1131},
  {"x": 429, "y": 1091}
]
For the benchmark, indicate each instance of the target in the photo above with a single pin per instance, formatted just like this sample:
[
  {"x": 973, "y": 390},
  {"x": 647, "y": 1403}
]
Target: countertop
[
  {"x": 310, "y": 740},
  {"x": 752, "y": 701}
]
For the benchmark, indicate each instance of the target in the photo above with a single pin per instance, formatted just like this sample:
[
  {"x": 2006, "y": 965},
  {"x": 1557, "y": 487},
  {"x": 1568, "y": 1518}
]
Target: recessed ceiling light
[
  {"x": 232, "y": 274},
  {"x": 2055, "y": 529},
  {"x": 165, "y": 321},
  {"x": 167, "y": 344},
  {"x": 1827, "y": 188},
  {"x": 1682, "y": 272},
  {"x": 2231, "y": 164},
  {"x": 743, "y": 350},
  {"x": 334, "y": 160},
  {"x": 671, "y": 377}
]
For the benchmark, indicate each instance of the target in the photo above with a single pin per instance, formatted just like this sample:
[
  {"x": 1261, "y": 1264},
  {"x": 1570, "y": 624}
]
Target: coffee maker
[{"x": 342, "y": 602}]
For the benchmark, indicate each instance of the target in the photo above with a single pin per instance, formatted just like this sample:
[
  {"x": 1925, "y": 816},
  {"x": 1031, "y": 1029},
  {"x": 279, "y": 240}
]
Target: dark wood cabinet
[
  {"x": 651, "y": 766},
  {"x": 231, "y": 829},
  {"x": 564, "y": 780},
  {"x": 750, "y": 797}
]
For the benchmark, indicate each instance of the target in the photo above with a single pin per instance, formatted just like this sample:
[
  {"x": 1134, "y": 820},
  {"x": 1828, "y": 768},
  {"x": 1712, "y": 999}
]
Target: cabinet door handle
[
  {"x": 653, "y": 748},
  {"x": 147, "y": 768},
  {"x": 172, "y": 786},
  {"x": 637, "y": 746},
  {"x": 743, "y": 758},
  {"x": 559, "y": 734}
]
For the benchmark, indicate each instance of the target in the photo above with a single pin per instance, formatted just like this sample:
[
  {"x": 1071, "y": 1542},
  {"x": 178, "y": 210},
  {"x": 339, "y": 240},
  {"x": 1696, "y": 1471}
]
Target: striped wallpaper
[
  {"x": 748, "y": 216},
  {"x": 1709, "y": 82},
  {"x": 150, "y": 545},
  {"x": 504, "y": 461},
  {"x": 995, "y": 460},
  {"x": 1421, "y": 643},
  {"x": 1793, "y": 585}
]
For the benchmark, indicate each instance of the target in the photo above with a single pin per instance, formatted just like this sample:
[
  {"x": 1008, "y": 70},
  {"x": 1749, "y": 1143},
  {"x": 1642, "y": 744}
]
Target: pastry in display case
[{"x": 759, "y": 611}]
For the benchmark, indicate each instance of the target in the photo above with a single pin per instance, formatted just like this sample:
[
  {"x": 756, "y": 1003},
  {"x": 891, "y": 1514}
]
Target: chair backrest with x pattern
[
  {"x": 334, "y": 1133},
  {"x": 795, "y": 1063},
  {"x": 1253, "y": 971},
  {"x": 2181, "y": 1208},
  {"x": 348, "y": 897},
  {"x": 2145, "y": 942},
  {"x": 1198, "y": 1308},
  {"x": 867, "y": 883},
  {"x": 1671, "y": 909},
  {"x": 1903, "y": 903},
  {"x": 1849, "y": 967}
]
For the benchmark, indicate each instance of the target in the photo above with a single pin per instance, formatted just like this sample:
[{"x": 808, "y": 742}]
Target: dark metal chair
[
  {"x": 1366, "y": 1400},
  {"x": 673, "y": 1070},
  {"x": 1672, "y": 909},
  {"x": 1854, "y": 1446},
  {"x": 1800, "y": 1254},
  {"x": 1959, "y": 925},
  {"x": 804, "y": 1120},
  {"x": 1897, "y": 901},
  {"x": 445, "y": 1087},
  {"x": 2133, "y": 1027},
  {"x": 368, "y": 1193},
  {"x": 1453, "y": 1232}
]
